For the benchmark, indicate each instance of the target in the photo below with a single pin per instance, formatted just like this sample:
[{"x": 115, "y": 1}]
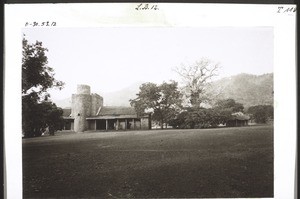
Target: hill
[
  {"x": 244, "y": 88},
  {"x": 121, "y": 97}
]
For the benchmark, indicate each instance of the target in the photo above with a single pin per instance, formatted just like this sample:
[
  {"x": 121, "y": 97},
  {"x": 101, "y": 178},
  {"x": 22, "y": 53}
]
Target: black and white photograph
[{"x": 145, "y": 108}]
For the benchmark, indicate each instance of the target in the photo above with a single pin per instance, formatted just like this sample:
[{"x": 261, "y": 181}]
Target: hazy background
[{"x": 114, "y": 59}]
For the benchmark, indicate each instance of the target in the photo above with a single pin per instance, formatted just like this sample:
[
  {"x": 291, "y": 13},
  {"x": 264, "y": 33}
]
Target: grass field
[{"x": 224, "y": 162}]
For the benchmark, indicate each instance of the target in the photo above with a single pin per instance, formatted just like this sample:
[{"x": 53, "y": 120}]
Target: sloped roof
[
  {"x": 66, "y": 112},
  {"x": 240, "y": 116},
  {"x": 116, "y": 110}
]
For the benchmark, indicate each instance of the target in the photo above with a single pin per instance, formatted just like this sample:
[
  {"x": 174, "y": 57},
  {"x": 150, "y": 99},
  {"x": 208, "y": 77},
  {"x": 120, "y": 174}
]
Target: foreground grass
[{"x": 226, "y": 162}]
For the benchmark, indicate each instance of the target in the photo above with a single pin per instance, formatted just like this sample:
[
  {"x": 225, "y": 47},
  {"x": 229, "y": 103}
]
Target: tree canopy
[
  {"x": 196, "y": 78},
  {"x": 35, "y": 72},
  {"x": 38, "y": 113},
  {"x": 40, "y": 117},
  {"x": 163, "y": 101},
  {"x": 199, "y": 117},
  {"x": 261, "y": 113},
  {"x": 230, "y": 105}
]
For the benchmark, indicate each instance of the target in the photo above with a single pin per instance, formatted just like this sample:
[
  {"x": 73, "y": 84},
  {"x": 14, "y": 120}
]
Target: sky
[{"x": 109, "y": 59}]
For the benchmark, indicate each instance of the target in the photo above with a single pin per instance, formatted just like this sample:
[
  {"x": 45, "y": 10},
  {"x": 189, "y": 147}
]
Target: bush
[{"x": 200, "y": 118}]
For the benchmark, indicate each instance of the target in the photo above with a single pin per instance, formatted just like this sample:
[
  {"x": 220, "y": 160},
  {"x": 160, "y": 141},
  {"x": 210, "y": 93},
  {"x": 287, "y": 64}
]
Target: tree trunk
[{"x": 51, "y": 131}]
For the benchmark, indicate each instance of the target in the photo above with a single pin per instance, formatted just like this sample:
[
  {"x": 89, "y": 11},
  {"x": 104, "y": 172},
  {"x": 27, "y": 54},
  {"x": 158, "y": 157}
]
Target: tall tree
[
  {"x": 37, "y": 78},
  {"x": 163, "y": 101},
  {"x": 147, "y": 99},
  {"x": 196, "y": 78},
  {"x": 261, "y": 113},
  {"x": 36, "y": 75}
]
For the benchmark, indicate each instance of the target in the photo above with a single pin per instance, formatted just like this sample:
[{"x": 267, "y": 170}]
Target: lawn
[{"x": 196, "y": 163}]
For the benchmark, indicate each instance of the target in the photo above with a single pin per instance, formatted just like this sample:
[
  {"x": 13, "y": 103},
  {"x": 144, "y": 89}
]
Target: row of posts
[{"x": 117, "y": 124}]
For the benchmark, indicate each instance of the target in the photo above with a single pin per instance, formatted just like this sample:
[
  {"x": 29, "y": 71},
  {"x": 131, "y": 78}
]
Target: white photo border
[{"x": 168, "y": 15}]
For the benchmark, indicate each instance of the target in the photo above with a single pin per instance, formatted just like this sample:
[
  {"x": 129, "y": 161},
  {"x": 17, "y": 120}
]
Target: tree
[
  {"x": 35, "y": 72},
  {"x": 198, "y": 117},
  {"x": 223, "y": 115},
  {"x": 229, "y": 104},
  {"x": 32, "y": 121},
  {"x": 163, "y": 101},
  {"x": 37, "y": 111},
  {"x": 147, "y": 98},
  {"x": 180, "y": 120},
  {"x": 52, "y": 116},
  {"x": 40, "y": 117},
  {"x": 261, "y": 113},
  {"x": 196, "y": 78},
  {"x": 225, "y": 108}
]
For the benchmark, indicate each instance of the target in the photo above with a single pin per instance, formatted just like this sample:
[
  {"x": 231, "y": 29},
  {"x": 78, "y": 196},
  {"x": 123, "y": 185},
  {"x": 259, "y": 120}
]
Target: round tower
[{"x": 81, "y": 107}]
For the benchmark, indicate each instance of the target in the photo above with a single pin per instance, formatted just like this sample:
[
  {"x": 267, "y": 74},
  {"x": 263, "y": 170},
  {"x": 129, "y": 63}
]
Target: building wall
[
  {"x": 83, "y": 89},
  {"x": 97, "y": 102},
  {"x": 81, "y": 107},
  {"x": 145, "y": 123},
  {"x": 235, "y": 123},
  {"x": 91, "y": 124},
  {"x": 131, "y": 124},
  {"x": 137, "y": 124},
  {"x": 85, "y": 104},
  {"x": 122, "y": 125},
  {"x": 72, "y": 125},
  {"x": 119, "y": 124}
]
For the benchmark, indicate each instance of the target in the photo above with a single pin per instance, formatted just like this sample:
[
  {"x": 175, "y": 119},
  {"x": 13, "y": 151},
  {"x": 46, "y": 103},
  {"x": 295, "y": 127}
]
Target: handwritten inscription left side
[{"x": 40, "y": 24}]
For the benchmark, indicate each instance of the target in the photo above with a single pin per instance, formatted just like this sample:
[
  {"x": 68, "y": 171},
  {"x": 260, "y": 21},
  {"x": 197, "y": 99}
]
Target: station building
[{"x": 88, "y": 113}]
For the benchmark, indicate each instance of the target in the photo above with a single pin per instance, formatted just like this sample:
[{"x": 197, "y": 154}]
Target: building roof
[
  {"x": 239, "y": 116},
  {"x": 112, "y": 117},
  {"x": 66, "y": 112},
  {"x": 116, "y": 111}
]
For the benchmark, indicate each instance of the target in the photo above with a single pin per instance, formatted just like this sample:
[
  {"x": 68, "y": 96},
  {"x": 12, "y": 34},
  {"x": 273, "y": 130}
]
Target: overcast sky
[{"x": 109, "y": 59}]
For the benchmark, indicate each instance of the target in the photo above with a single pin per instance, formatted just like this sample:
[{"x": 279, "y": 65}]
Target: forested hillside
[{"x": 247, "y": 89}]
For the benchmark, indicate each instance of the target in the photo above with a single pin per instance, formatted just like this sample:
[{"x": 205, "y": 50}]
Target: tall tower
[{"x": 81, "y": 107}]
